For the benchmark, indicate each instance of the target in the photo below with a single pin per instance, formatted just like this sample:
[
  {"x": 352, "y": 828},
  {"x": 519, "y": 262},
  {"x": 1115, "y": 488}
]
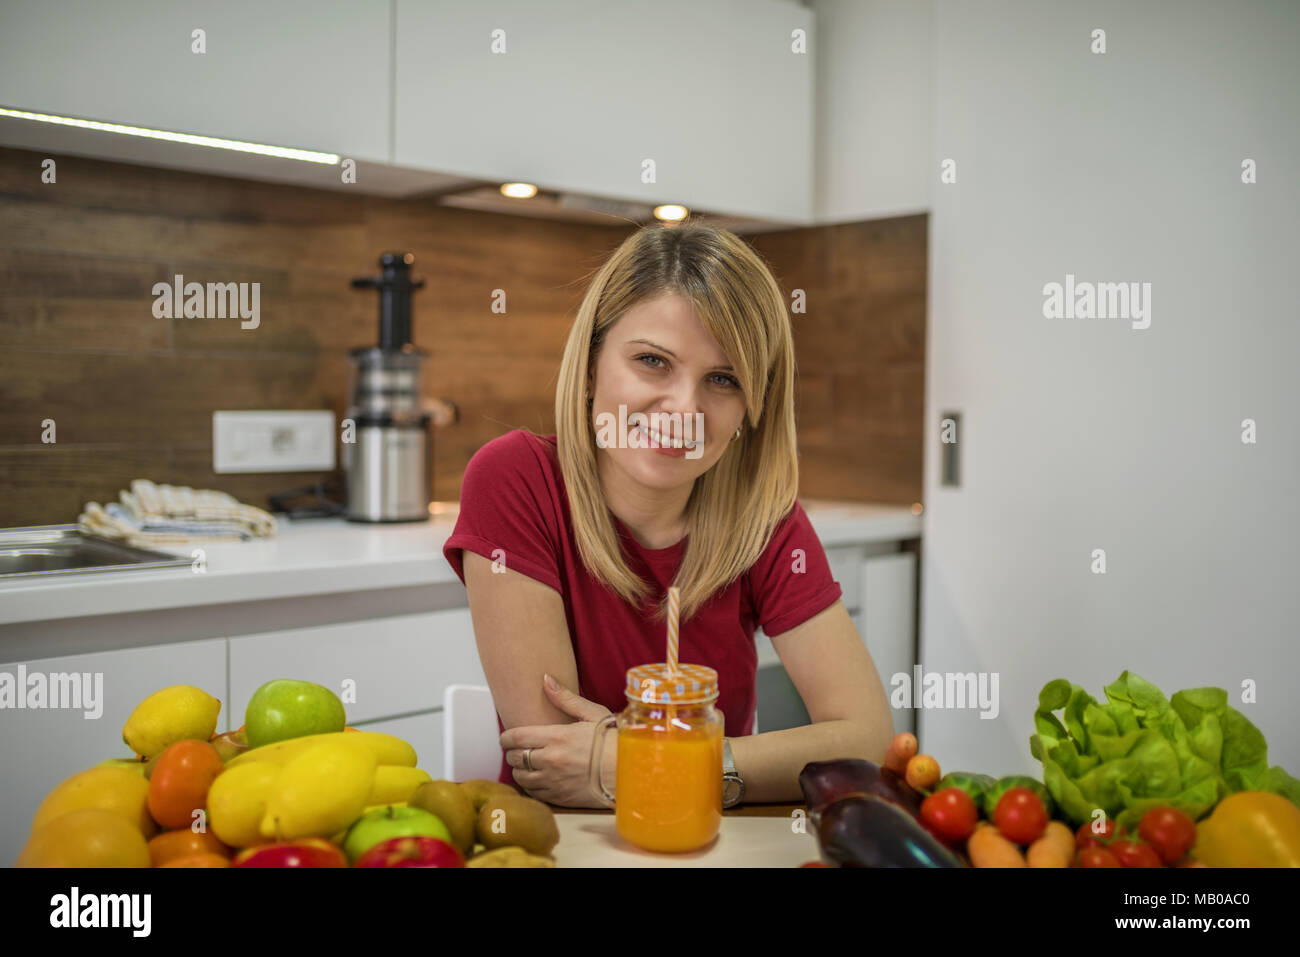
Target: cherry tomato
[
  {"x": 922, "y": 772},
  {"x": 1020, "y": 816},
  {"x": 950, "y": 814},
  {"x": 1133, "y": 854},
  {"x": 1096, "y": 857},
  {"x": 1171, "y": 832},
  {"x": 1087, "y": 837}
]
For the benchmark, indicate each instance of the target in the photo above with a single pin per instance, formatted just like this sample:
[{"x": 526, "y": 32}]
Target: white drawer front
[
  {"x": 41, "y": 748},
  {"x": 398, "y": 665}
]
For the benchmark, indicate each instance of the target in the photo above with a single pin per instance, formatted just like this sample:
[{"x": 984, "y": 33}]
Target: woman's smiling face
[{"x": 659, "y": 358}]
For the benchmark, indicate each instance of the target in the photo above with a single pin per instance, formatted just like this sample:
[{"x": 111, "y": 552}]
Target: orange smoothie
[{"x": 669, "y": 787}]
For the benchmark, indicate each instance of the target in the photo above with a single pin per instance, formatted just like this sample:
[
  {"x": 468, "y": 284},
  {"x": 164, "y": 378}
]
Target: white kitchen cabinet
[
  {"x": 422, "y": 731},
  {"x": 880, "y": 596},
  {"x": 396, "y": 665},
  {"x": 875, "y": 102},
  {"x": 585, "y": 92},
  {"x": 41, "y": 748},
  {"x": 312, "y": 74}
]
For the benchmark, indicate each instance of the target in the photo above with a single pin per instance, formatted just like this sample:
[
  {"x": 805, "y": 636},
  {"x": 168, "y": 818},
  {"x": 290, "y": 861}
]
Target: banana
[
  {"x": 387, "y": 749},
  {"x": 321, "y": 791},
  {"x": 395, "y": 785}
]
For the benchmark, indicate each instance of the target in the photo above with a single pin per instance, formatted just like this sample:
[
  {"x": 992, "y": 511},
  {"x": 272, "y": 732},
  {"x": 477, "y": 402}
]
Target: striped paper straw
[{"x": 673, "y": 608}]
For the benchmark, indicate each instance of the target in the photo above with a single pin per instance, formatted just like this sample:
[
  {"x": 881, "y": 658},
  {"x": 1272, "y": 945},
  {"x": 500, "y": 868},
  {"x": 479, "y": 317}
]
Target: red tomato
[
  {"x": 1171, "y": 832},
  {"x": 1133, "y": 854},
  {"x": 950, "y": 814},
  {"x": 1096, "y": 857},
  {"x": 1087, "y": 837},
  {"x": 1020, "y": 816}
]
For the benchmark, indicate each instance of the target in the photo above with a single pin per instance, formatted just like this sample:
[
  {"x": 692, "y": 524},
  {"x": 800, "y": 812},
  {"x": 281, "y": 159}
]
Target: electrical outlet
[{"x": 288, "y": 441}]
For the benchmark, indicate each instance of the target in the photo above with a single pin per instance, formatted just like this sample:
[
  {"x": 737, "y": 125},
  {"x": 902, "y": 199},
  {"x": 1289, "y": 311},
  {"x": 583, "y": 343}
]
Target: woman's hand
[{"x": 561, "y": 753}]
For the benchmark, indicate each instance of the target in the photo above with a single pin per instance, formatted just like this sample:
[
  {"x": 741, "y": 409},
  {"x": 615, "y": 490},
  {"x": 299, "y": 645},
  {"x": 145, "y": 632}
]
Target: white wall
[{"x": 1087, "y": 433}]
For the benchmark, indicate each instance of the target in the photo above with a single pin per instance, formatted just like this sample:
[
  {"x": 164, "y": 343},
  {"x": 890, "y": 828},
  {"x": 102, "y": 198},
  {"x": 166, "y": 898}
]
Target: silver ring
[{"x": 528, "y": 762}]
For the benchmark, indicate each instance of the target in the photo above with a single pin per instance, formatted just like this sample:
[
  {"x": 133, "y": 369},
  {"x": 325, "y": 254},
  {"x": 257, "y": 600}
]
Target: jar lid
[{"x": 653, "y": 684}]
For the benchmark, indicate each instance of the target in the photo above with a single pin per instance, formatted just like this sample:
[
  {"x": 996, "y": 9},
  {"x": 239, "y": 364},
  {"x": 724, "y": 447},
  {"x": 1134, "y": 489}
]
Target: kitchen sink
[{"x": 66, "y": 550}]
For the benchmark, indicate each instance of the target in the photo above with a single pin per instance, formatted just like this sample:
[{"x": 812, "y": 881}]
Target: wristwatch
[{"x": 733, "y": 787}]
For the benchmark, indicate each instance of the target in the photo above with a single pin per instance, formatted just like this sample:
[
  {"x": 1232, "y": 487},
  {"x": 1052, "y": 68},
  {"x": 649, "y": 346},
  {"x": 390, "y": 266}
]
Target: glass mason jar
[{"x": 668, "y": 779}]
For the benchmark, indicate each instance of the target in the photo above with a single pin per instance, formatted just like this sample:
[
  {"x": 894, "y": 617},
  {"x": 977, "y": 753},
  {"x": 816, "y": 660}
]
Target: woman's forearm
[{"x": 770, "y": 763}]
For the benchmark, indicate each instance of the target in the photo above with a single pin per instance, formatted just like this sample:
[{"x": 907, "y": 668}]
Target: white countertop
[{"x": 327, "y": 556}]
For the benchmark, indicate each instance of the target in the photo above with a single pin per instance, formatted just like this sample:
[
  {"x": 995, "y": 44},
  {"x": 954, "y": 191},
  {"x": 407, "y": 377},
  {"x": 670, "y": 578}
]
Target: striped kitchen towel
[{"x": 152, "y": 514}]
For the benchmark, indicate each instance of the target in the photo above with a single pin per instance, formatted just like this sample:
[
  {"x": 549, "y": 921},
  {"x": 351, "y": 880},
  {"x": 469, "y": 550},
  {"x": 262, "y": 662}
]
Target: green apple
[
  {"x": 382, "y": 823},
  {"x": 127, "y": 764},
  {"x": 284, "y": 708}
]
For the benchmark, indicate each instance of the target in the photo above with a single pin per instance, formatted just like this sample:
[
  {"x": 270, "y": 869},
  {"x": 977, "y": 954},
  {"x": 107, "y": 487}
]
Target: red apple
[
  {"x": 411, "y": 852},
  {"x": 307, "y": 852}
]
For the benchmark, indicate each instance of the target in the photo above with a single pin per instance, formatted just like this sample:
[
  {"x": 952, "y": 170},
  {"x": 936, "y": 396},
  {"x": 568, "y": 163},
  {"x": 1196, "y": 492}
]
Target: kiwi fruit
[
  {"x": 509, "y": 857},
  {"x": 517, "y": 822},
  {"x": 451, "y": 805},
  {"x": 479, "y": 790}
]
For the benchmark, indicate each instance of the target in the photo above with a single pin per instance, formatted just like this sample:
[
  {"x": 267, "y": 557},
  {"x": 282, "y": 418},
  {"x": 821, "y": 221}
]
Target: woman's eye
[{"x": 727, "y": 380}]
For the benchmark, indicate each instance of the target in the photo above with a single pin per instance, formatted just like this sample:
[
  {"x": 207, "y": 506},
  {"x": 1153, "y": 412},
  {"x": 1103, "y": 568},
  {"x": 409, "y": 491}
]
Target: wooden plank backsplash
[{"x": 132, "y": 396}]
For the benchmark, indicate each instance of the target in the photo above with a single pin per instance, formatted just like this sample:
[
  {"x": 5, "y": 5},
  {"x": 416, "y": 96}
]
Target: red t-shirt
[{"x": 512, "y": 498}]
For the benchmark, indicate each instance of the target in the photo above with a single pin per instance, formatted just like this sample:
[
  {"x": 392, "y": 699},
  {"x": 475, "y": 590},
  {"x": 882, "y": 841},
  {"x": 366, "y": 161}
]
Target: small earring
[{"x": 737, "y": 433}]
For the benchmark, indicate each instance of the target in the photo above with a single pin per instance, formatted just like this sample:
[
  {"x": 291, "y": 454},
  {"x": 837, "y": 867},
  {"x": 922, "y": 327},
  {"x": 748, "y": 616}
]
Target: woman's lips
[{"x": 662, "y": 450}]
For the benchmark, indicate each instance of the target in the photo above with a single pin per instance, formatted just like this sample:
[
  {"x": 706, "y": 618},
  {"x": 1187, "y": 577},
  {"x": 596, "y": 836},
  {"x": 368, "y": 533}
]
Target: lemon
[
  {"x": 89, "y": 837},
  {"x": 237, "y": 802},
  {"x": 117, "y": 790},
  {"x": 178, "y": 713}
]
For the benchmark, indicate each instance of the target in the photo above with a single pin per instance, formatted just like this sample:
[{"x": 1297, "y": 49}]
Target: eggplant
[
  {"x": 862, "y": 830},
  {"x": 826, "y": 781}
]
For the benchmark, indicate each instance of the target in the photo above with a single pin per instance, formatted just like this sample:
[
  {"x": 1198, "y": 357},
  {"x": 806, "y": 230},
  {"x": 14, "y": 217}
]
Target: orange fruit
[
  {"x": 173, "y": 844},
  {"x": 123, "y": 792},
  {"x": 180, "y": 782},
  {"x": 89, "y": 837},
  {"x": 199, "y": 860}
]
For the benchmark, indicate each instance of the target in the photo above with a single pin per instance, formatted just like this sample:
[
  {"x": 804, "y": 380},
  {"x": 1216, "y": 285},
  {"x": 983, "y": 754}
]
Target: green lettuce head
[{"x": 1140, "y": 750}]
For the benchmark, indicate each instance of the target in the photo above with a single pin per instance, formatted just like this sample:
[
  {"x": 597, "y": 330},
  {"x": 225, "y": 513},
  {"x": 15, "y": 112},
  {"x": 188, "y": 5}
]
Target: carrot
[
  {"x": 899, "y": 751},
  {"x": 1046, "y": 852},
  {"x": 988, "y": 848},
  {"x": 1061, "y": 835}
]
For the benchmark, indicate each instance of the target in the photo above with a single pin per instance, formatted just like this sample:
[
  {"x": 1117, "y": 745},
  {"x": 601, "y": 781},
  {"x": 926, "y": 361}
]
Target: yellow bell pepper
[{"x": 1250, "y": 829}]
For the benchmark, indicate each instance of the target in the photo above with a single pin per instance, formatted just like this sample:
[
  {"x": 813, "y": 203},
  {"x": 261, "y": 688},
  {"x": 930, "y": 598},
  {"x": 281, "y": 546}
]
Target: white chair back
[{"x": 471, "y": 745}]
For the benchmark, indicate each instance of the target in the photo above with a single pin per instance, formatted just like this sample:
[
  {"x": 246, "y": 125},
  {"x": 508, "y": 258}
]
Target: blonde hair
[{"x": 734, "y": 506}]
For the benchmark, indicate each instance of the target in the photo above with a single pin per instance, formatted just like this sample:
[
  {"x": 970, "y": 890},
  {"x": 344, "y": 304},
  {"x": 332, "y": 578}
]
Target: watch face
[{"x": 730, "y": 792}]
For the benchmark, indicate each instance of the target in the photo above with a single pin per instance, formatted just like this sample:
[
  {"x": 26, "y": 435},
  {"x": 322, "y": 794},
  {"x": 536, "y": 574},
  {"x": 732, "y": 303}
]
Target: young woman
[{"x": 570, "y": 541}]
